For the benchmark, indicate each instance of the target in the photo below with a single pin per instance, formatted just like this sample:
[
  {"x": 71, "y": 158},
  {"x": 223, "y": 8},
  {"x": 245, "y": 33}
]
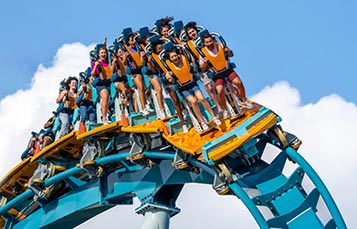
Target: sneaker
[
  {"x": 105, "y": 121},
  {"x": 184, "y": 129},
  {"x": 162, "y": 115},
  {"x": 145, "y": 112},
  {"x": 204, "y": 126},
  {"x": 147, "y": 107},
  {"x": 217, "y": 121},
  {"x": 225, "y": 114},
  {"x": 247, "y": 104}
]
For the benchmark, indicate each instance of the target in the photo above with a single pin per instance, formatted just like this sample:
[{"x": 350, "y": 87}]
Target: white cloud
[
  {"x": 27, "y": 110},
  {"x": 327, "y": 129}
]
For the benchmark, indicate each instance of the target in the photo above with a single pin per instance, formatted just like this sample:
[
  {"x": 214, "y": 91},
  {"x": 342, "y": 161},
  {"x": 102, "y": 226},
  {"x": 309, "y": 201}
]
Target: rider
[
  {"x": 163, "y": 26},
  {"x": 134, "y": 59},
  {"x": 67, "y": 97},
  {"x": 181, "y": 74},
  {"x": 86, "y": 106},
  {"x": 102, "y": 72},
  {"x": 192, "y": 33},
  {"x": 215, "y": 55},
  {"x": 153, "y": 78},
  {"x": 155, "y": 63},
  {"x": 121, "y": 81}
]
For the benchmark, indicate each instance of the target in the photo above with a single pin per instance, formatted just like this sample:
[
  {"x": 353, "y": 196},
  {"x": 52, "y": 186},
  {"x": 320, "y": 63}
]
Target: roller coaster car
[
  {"x": 225, "y": 138},
  {"x": 64, "y": 149}
]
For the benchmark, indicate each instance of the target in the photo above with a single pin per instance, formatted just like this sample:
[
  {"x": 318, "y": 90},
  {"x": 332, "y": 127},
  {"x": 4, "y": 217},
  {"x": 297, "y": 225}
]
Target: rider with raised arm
[
  {"x": 102, "y": 72},
  {"x": 121, "y": 81},
  {"x": 67, "y": 97}
]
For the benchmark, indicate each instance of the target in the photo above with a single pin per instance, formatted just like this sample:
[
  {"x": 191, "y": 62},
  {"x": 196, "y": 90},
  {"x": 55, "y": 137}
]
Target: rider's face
[
  {"x": 209, "y": 43},
  {"x": 174, "y": 58},
  {"x": 165, "y": 31},
  {"x": 192, "y": 33},
  {"x": 103, "y": 54}
]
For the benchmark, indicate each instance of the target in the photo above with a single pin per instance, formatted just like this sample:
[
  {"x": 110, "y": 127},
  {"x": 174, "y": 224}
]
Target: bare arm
[
  {"x": 61, "y": 95},
  {"x": 81, "y": 88},
  {"x": 203, "y": 63},
  {"x": 151, "y": 64},
  {"x": 229, "y": 51},
  {"x": 94, "y": 69}
]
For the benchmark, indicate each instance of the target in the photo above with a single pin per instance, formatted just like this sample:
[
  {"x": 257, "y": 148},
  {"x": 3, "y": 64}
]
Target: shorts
[
  {"x": 231, "y": 77},
  {"x": 100, "y": 88},
  {"x": 190, "y": 92},
  {"x": 205, "y": 78},
  {"x": 150, "y": 76},
  {"x": 121, "y": 79}
]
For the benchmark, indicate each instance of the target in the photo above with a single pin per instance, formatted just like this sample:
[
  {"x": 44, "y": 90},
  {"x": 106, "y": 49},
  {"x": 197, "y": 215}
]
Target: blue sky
[{"x": 310, "y": 44}]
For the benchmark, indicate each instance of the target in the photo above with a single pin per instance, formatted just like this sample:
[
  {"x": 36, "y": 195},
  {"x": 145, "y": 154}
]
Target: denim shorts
[
  {"x": 100, "y": 88},
  {"x": 190, "y": 92}
]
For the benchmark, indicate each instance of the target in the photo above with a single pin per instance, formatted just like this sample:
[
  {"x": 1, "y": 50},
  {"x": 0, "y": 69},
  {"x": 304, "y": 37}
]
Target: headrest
[
  {"x": 93, "y": 55},
  {"x": 34, "y": 134},
  {"x": 144, "y": 32},
  {"x": 178, "y": 26},
  {"x": 97, "y": 47},
  {"x": 168, "y": 46},
  {"x": 111, "y": 49},
  {"x": 88, "y": 71},
  {"x": 115, "y": 45},
  {"x": 158, "y": 25},
  {"x": 85, "y": 75},
  {"x": 202, "y": 33},
  {"x": 126, "y": 32},
  {"x": 82, "y": 75},
  {"x": 155, "y": 39}
]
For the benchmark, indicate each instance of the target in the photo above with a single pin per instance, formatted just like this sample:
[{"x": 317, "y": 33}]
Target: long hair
[
  {"x": 190, "y": 25},
  {"x": 166, "y": 21}
]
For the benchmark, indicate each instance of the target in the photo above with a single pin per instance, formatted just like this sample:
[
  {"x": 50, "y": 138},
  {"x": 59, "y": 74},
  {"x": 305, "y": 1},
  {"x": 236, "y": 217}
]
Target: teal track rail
[
  {"x": 268, "y": 182},
  {"x": 325, "y": 194}
]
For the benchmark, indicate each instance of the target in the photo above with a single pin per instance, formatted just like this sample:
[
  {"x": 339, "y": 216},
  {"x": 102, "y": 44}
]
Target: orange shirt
[
  {"x": 182, "y": 73},
  {"x": 107, "y": 72},
  {"x": 158, "y": 61},
  {"x": 72, "y": 101},
  {"x": 135, "y": 55},
  {"x": 192, "y": 47},
  {"x": 88, "y": 91}
]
